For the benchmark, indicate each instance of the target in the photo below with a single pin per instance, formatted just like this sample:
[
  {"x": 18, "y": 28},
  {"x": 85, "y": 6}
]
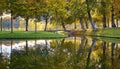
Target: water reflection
[{"x": 69, "y": 53}]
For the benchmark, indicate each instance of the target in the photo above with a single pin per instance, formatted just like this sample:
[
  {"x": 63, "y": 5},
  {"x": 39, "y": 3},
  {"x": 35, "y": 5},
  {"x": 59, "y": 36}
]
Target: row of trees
[{"x": 64, "y": 12}]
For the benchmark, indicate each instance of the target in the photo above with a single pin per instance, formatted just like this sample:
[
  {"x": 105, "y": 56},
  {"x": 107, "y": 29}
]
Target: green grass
[
  {"x": 108, "y": 32},
  {"x": 30, "y": 35}
]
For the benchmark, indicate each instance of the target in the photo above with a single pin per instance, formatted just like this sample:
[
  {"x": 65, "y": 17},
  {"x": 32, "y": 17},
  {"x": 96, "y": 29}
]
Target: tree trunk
[
  {"x": 35, "y": 27},
  {"x": 1, "y": 23},
  {"x": 46, "y": 22},
  {"x": 27, "y": 23},
  {"x": 91, "y": 21},
  {"x": 11, "y": 23},
  {"x": 108, "y": 25},
  {"x": 90, "y": 17},
  {"x": 63, "y": 25},
  {"x": 104, "y": 13},
  {"x": 56, "y": 14},
  {"x": 75, "y": 24},
  {"x": 117, "y": 22},
  {"x": 104, "y": 21},
  {"x": 112, "y": 18},
  {"x": 86, "y": 24},
  {"x": 81, "y": 23}
]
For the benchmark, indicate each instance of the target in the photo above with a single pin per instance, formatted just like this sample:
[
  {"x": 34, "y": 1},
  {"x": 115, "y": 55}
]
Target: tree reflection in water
[{"x": 75, "y": 53}]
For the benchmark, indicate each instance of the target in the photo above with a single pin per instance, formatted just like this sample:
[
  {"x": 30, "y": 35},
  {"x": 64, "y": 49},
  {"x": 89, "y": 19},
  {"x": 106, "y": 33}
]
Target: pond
[{"x": 69, "y": 53}]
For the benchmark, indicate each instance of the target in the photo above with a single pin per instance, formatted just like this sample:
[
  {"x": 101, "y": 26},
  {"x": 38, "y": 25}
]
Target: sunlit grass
[
  {"x": 108, "y": 32},
  {"x": 29, "y": 35}
]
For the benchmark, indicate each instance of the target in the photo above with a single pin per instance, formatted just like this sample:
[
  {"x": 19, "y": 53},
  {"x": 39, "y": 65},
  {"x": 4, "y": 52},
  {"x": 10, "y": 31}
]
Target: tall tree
[
  {"x": 46, "y": 17},
  {"x": 2, "y": 8},
  {"x": 117, "y": 10},
  {"x": 89, "y": 3},
  {"x": 112, "y": 17},
  {"x": 40, "y": 10},
  {"x": 79, "y": 12},
  {"x": 104, "y": 14},
  {"x": 58, "y": 10},
  {"x": 104, "y": 10},
  {"x": 25, "y": 8},
  {"x": 11, "y": 5}
]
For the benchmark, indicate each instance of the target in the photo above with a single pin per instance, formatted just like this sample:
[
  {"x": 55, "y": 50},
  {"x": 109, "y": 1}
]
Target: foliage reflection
[{"x": 73, "y": 53}]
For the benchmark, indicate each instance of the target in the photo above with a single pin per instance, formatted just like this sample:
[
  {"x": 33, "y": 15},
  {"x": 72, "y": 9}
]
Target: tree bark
[
  {"x": 81, "y": 23},
  {"x": 75, "y": 24},
  {"x": 112, "y": 18},
  {"x": 1, "y": 23},
  {"x": 86, "y": 24},
  {"x": 56, "y": 14},
  {"x": 46, "y": 22},
  {"x": 90, "y": 17},
  {"x": 27, "y": 23},
  {"x": 35, "y": 27},
  {"x": 63, "y": 25},
  {"x": 117, "y": 22},
  {"x": 108, "y": 25},
  {"x": 91, "y": 21},
  {"x": 104, "y": 21},
  {"x": 104, "y": 13},
  {"x": 11, "y": 22}
]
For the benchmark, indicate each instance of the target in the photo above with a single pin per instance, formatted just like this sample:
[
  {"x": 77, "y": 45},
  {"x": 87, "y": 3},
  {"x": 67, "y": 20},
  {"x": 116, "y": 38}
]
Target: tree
[
  {"x": 40, "y": 10},
  {"x": 112, "y": 16},
  {"x": 58, "y": 11},
  {"x": 104, "y": 13},
  {"x": 2, "y": 8},
  {"x": 25, "y": 8},
  {"x": 79, "y": 12},
  {"x": 89, "y": 4},
  {"x": 10, "y": 7},
  {"x": 117, "y": 10}
]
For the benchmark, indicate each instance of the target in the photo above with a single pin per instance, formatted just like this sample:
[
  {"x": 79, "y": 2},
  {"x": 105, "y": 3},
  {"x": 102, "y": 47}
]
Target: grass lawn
[
  {"x": 108, "y": 32},
  {"x": 30, "y": 35}
]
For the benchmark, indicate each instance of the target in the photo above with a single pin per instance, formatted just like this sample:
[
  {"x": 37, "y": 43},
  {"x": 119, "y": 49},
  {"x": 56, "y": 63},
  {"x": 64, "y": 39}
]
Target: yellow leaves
[
  {"x": 117, "y": 8},
  {"x": 117, "y": 5}
]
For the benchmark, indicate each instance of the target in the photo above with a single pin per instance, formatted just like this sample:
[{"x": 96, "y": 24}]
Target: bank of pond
[
  {"x": 30, "y": 35},
  {"x": 105, "y": 32}
]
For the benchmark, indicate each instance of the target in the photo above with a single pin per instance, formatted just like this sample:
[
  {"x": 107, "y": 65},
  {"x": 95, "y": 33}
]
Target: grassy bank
[
  {"x": 29, "y": 35},
  {"x": 108, "y": 32}
]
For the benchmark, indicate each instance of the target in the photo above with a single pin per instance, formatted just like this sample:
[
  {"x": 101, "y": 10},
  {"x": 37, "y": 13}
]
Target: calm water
[{"x": 68, "y": 53}]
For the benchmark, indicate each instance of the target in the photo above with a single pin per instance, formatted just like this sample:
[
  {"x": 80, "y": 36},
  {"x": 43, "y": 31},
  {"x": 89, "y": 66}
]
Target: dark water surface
[{"x": 68, "y": 53}]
